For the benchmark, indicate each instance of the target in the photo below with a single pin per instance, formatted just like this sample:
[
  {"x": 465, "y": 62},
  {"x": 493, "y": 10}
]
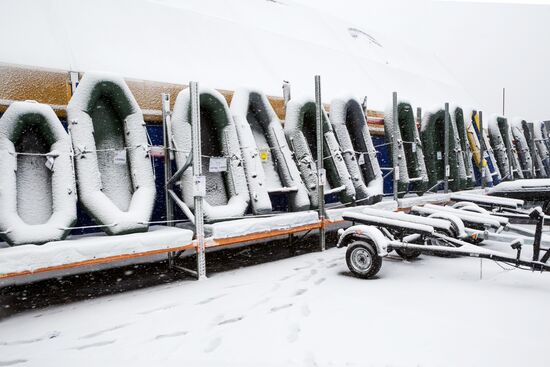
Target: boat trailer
[{"x": 373, "y": 235}]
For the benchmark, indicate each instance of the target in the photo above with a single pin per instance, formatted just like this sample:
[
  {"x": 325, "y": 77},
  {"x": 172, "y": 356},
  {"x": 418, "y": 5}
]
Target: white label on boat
[
  {"x": 322, "y": 177},
  {"x": 264, "y": 155},
  {"x": 120, "y": 157},
  {"x": 396, "y": 173},
  {"x": 217, "y": 164},
  {"x": 157, "y": 151},
  {"x": 447, "y": 171},
  {"x": 199, "y": 186},
  {"x": 49, "y": 162},
  {"x": 361, "y": 159},
  {"x": 439, "y": 156},
  {"x": 414, "y": 147}
]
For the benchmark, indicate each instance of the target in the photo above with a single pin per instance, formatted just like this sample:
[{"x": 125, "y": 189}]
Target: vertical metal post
[
  {"x": 320, "y": 166},
  {"x": 446, "y": 150},
  {"x": 286, "y": 91},
  {"x": 482, "y": 151},
  {"x": 532, "y": 147},
  {"x": 166, "y": 116},
  {"x": 74, "y": 80},
  {"x": 503, "y": 101},
  {"x": 511, "y": 160},
  {"x": 395, "y": 154},
  {"x": 197, "y": 171},
  {"x": 418, "y": 117}
]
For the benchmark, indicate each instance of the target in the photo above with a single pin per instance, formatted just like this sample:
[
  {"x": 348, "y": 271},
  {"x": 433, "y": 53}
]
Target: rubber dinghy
[
  {"x": 536, "y": 190},
  {"x": 413, "y": 174},
  {"x": 115, "y": 178},
  {"x": 457, "y": 118},
  {"x": 536, "y": 155},
  {"x": 37, "y": 185},
  {"x": 301, "y": 134},
  {"x": 433, "y": 136},
  {"x": 227, "y": 194},
  {"x": 499, "y": 147},
  {"x": 267, "y": 158},
  {"x": 524, "y": 154},
  {"x": 501, "y": 141},
  {"x": 540, "y": 136},
  {"x": 486, "y": 165},
  {"x": 352, "y": 132}
]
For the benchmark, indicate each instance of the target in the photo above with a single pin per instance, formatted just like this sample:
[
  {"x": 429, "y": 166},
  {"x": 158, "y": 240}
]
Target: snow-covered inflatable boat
[
  {"x": 267, "y": 158},
  {"x": 300, "y": 130},
  {"x": 350, "y": 127},
  {"x": 501, "y": 139},
  {"x": 433, "y": 129},
  {"x": 485, "y": 165},
  {"x": 536, "y": 156},
  {"x": 412, "y": 168},
  {"x": 457, "y": 120},
  {"x": 37, "y": 185},
  {"x": 522, "y": 148},
  {"x": 115, "y": 178},
  {"x": 227, "y": 192}
]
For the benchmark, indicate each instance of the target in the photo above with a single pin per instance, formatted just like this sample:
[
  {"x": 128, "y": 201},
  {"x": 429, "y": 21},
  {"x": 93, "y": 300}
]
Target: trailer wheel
[
  {"x": 408, "y": 254},
  {"x": 363, "y": 259}
]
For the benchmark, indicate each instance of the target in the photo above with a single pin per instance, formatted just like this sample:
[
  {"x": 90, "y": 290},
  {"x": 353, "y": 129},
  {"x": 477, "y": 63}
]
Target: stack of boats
[{"x": 251, "y": 160}]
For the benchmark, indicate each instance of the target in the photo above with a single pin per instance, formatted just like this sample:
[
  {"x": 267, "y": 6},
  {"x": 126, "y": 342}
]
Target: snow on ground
[{"x": 301, "y": 311}]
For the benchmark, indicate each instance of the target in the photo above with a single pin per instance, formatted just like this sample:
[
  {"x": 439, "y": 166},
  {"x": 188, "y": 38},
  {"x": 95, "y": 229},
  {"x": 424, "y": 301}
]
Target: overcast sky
[{"x": 485, "y": 45}]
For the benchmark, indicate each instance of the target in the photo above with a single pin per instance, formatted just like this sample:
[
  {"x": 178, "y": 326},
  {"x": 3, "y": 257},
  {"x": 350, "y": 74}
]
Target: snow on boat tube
[
  {"x": 351, "y": 130},
  {"x": 457, "y": 119},
  {"x": 433, "y": 135},
  {"x": 227, "y": 194},
  {"x": 500, "y": 136},
  {"x": 267, "y": 158},
  {"x": 413, "y": 174},
  {"x": 539, "y": 135},
  {"x": 301, "y": 134},
  {"x": 540, "y": 171},
  {"x": 115, "y": 178},
  {"x": 499, "y": 146},
  {"x": 487, "y": 165},
  {"x": 37, "y": 185},
  {"x": 524, "y": 153}
]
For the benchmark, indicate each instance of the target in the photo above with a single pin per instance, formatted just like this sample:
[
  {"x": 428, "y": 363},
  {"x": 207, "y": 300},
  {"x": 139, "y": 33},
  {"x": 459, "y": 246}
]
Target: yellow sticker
[{"x": 264, "y": 155}]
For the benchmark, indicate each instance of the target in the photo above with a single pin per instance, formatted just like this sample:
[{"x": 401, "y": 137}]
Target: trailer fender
[{"x": 370, "y": 234}]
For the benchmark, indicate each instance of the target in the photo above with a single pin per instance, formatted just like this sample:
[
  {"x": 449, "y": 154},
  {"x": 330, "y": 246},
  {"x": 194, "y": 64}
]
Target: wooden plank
[{"x": 261, "y": 235}]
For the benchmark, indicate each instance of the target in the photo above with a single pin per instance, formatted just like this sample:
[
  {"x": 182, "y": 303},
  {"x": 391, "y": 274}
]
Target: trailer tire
[
  {"x": 363, "y": 259},
  {"x": 408, "y": 254}
]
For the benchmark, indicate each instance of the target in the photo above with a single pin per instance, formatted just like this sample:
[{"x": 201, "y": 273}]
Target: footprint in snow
[
  {"x": 294, "y": 332},
  {"x": 312, "y": 272},
  {"x": 278, "y": 308},
  {"x": 305, "y": 310},
  {"x": 319, "y": 281},
  {"x": 287, "y": 277},
  {"x": 103, "y": 331},
  {"x": 171, "y": 335},
  {"x": 299, "y": 292},
  {"x": 51, "y": 335},
  {"x": 94, "y": 345},
  {"x": 230, "y": 321},
  {"x": 213, "y": 345},
  {"x": 12, "y": 362},
  {"x": 332, "y": 265},
  {"x": 153, "y": 310},
  {"x": 210, "y": 299}
]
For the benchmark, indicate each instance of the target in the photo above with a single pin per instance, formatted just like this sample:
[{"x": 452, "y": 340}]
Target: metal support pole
[
  {"x": 286, "y": 91},
  {"x": 511, "y": 160},
  {"x": 395, "y": 154},
  {"x": 197, "y": 173},
  {"x": 532, "y": 147},
  {"x": 482, "y": 151},
  {"x": 446, "y": 150},
  {"x": 503, "y": 101},
  {"x": 74, "y": 80},
  {"x": 418, "y": 117},
  {"x": 321, "y": 177},
  {"x": 167, "y": 157}
]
